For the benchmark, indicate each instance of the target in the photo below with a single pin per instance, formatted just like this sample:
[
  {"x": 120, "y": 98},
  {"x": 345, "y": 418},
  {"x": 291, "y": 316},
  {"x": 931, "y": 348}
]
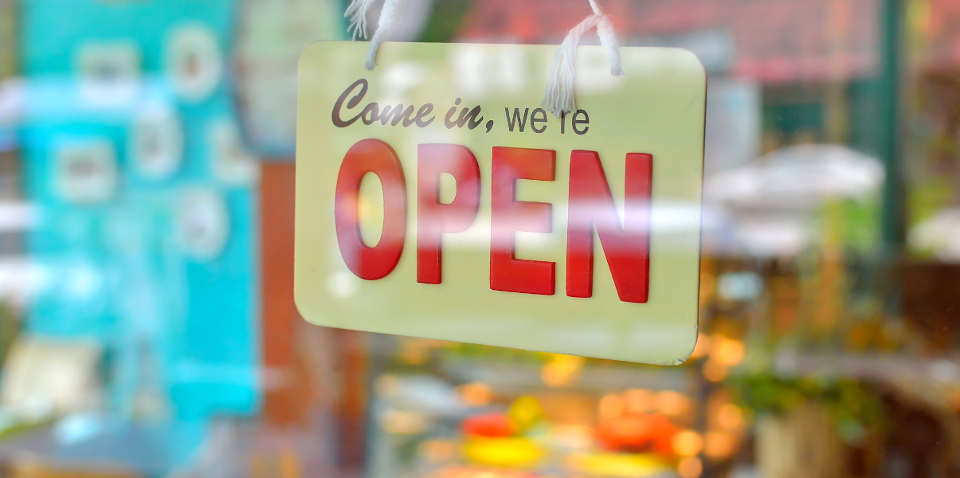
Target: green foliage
[{"x": 856, "y": 409}]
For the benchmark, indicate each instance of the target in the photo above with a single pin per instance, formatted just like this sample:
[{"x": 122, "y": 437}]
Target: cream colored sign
[{"x": 436, "y": 198}]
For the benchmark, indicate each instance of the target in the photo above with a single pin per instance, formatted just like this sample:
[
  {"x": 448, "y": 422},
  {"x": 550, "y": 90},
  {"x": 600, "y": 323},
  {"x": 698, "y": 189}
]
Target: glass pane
[{"x": 147, "y": 318}]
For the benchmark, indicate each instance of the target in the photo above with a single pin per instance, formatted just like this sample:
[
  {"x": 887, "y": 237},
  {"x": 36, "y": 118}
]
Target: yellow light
[
  {"x": 414, "y": 352},
  {"x": 640, "y": 401},
  {"x": 720, "y": 445},
  {"x": 561, "y": 370},
  {"x": 690, "y": 467},
  {"x": 611, "y": 406},
  {"x": 672, "y": 403},
  {"x": 729, "y": 352},
  {"x": 616, "y": 464},
  {"x": 525, "y": 412},
  {"x": 714, "y": 371},
  {"x": 475, "y": 394},
  {"x": 503, "y": 452},
  {"x": 687, "y": 443},
  {"x": 729, "y": 417}
]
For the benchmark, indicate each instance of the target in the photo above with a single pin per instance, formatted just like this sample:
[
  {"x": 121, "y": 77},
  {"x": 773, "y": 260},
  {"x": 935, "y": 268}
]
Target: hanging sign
[{"x": 436, "y": 198}]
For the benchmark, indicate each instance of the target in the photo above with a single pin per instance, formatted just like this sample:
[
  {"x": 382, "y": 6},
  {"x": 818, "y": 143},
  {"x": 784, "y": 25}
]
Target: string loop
[
  {"x": 357, "y": 13},
  {"x": 559, "y": 97}
]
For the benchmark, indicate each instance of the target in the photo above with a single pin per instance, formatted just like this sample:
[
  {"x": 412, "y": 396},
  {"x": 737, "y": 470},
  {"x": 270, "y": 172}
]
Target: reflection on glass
[{"x": 147, "y": 325}]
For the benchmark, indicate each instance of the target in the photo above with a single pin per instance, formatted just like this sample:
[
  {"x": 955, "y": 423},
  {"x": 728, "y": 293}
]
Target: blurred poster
[
  {"x": 272, "y": 33},
  {"x": 131, "y": 156},
  {"x": 271, "y": 36},
  {"x": 733, "y": 124}
]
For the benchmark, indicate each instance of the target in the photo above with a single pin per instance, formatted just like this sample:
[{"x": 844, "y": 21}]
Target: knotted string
[
  {"x": 559, "y": 97},
  {"x": 357, "y": 12}
]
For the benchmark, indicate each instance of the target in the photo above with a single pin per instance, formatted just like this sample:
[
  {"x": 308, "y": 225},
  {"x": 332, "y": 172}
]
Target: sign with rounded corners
[{"x": 436, "y": 198}]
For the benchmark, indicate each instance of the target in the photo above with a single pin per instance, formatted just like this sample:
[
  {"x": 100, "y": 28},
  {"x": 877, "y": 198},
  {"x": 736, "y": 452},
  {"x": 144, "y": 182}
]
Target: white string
[
  {"x": 357, "y": 12},
  {"x": 608, "y": 38},
  {"x": 559, "y": 97}
]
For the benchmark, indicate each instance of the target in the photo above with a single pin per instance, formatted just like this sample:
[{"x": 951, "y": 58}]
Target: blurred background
[{"x": 147, "y": 324}]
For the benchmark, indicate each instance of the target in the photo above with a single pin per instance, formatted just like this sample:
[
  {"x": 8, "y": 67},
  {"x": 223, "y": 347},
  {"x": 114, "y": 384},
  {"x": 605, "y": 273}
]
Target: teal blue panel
[{"x": 114, "y": 272}]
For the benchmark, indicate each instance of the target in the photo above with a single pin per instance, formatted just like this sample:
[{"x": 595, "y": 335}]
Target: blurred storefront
[{"x": 148, "y": 326}]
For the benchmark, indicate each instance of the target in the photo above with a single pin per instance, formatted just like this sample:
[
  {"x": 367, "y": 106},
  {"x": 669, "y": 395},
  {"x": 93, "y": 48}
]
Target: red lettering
[
  {"x": 625, "y": 244},
  {"x": 435, "y": 218},
  {"x": 370, "y": 156},
  {"x": 508, "y": 216},
  {"x": 626, "y": 247}
]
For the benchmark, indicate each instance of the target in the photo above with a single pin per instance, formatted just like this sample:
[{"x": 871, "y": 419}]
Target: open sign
[
  {"x": 434, "y": 204},
  {"x": 590, "y": 209}
]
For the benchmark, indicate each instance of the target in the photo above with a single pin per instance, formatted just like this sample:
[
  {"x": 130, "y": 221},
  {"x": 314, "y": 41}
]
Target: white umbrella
[
  {"x": 939, "y": 234},
  {"x": 769, "y": 201},
  {"x": 797, "y": 177}
]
